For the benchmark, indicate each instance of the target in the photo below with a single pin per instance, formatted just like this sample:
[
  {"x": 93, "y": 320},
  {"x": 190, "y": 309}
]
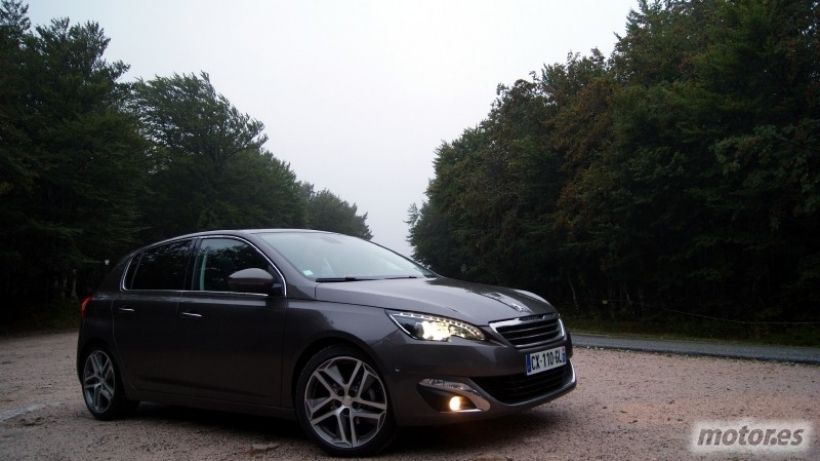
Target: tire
[
  {"x": 102, "y": 387},
  {"x": 342, "y": 403}
]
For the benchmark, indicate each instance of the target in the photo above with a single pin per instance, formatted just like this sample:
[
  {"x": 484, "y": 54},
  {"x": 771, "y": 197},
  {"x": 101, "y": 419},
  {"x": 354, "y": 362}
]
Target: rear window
[{"x": 161, "y": 268}]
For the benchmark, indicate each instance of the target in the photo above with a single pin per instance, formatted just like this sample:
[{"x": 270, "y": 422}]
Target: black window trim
[{"x": 195, "y": 258}]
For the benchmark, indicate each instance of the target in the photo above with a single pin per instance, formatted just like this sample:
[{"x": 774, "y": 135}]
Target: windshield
[{"x": 338, "y": 258}]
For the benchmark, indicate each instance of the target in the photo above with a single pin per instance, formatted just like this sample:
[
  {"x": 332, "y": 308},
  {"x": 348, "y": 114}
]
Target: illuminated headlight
[{"x": 433, "y": 328}]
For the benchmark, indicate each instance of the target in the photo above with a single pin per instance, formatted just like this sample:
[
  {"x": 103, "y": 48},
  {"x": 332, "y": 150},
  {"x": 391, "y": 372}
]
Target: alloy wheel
[
  {"x": 99, "y": 381},
  {"x": 345, "y": 402}
]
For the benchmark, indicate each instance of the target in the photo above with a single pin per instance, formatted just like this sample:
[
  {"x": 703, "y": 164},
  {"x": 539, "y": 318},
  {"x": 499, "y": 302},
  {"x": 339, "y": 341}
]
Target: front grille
[
  {"x": 530, "y": 331},
  {"x": 520, "y": 387}
]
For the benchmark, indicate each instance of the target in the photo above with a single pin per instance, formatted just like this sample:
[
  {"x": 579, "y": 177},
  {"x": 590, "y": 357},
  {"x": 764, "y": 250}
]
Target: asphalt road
[
  {"x": 628, "y": 405},
  {"x": 702, "y": 348}
]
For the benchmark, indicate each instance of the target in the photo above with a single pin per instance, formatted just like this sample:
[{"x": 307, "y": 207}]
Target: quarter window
[
  {"x": 162, "y": 267},
  {"x": 218, "y": 258}
]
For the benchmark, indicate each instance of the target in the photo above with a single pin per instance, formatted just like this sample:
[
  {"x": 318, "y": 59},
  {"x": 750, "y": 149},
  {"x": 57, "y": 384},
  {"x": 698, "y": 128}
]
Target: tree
[
  {"x": 91, "y": 167},
  {"x": 209, "y": 169},
  {"x": 16, "y": 164},
  {"x": 326, "y": 211},
  {"x": 682, "y": 172},
  {"x": 72, "y": 159}
]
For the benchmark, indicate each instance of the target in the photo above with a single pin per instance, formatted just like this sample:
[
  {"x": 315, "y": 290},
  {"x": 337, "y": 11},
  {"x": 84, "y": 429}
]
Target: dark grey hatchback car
[{"x": 346, "y": 336}]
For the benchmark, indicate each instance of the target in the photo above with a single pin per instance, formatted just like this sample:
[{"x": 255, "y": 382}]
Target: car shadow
[
  {"x": 448, "y": 439},
  {"x": 497, "y": 433},
  {"x": 239, "y": 423}
]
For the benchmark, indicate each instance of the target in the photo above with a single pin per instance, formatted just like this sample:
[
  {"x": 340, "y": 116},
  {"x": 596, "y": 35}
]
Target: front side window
[
  {"x": 218, "y": 258},
  {"x": 161, "y": 268}
]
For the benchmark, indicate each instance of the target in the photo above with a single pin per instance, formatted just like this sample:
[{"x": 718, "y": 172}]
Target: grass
[{"x": 674, "y": 326}]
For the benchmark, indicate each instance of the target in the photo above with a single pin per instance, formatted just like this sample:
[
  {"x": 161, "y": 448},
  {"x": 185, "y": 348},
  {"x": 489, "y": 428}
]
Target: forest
[
  {"x": 92, "y": 166},
  {"x": 676, "y": 179}
]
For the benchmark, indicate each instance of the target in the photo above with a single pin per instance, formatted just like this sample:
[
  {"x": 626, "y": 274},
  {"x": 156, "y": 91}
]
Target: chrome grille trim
[{"x": 531, "y": 331}]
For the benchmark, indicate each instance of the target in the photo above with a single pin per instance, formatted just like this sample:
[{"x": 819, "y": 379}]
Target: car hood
[{"x": 475, "y": 303}]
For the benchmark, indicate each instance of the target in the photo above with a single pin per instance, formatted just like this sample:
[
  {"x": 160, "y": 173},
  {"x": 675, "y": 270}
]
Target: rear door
[
  {"x": 146, "y": 326},
  {"x": 232, "y": 340}
]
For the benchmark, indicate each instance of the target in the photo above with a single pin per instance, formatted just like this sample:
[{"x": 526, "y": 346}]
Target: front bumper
[{"x": 410, "y": 362}]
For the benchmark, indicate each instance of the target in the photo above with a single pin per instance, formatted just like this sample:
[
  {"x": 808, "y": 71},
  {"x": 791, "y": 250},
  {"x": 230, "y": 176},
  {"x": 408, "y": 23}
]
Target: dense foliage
[
  {"x": 682, "y": 172},
  {"x": 208, "y": 169},
  {"x": 91, "y": 167},
  {"x": 325, "y": 210}
]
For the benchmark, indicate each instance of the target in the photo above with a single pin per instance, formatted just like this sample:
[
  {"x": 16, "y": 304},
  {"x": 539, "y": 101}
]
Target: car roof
[
  {"x": 248, "y": 231},
  {"x": 232, "y": 232},
  {"x": 263, "y": 231}
]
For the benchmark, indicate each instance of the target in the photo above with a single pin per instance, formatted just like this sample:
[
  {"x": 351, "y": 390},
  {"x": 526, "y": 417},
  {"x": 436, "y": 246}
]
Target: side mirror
[{"x": 254, "y": 281}]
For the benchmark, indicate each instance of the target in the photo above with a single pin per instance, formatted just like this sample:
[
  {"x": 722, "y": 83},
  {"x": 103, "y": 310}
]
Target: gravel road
[
  {"x": 628, "y": 405},
  {"x": 810, "y": 355}
]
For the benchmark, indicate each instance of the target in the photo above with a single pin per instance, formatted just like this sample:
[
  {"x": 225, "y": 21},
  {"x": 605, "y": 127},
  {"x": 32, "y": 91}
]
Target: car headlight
[{"x": 434, "y": 328}]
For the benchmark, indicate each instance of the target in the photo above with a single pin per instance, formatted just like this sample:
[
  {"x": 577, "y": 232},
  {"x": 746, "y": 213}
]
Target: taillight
[{"x": 84, "y": 305}]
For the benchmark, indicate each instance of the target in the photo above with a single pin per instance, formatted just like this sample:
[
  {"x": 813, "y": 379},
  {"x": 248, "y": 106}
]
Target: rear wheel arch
[
  {"x": 110, "y": 349},
  {"x": 102, "y": 377},
  {"x": 88, "y": 346}
]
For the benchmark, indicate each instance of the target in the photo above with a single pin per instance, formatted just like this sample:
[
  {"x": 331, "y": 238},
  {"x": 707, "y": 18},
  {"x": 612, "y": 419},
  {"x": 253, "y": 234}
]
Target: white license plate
[{"x": 537, "y": 362}]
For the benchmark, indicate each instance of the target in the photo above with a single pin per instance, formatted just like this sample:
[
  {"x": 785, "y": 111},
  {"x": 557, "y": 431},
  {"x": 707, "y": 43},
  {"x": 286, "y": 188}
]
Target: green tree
[
  {"x": 72, "y": 160},
  {"x": 16, "y": 163},
  {"x": 682, "y": 172},
  {"x": 326, "y": 211},
  {"x": 209, "y": 169},
  {"x": 688, "y": 215},
  {"x": 90, "y": 167},
  {"x": 434, "y": 242}
]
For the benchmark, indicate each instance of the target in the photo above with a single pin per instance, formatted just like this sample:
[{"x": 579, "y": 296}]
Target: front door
[{"x": 231, "y": 340}]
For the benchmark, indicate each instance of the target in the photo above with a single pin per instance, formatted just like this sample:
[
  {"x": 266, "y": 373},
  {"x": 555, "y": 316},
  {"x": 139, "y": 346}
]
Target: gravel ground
[
  {"x": 628, "y": 405},
  {"x": 810, "y": 355}
]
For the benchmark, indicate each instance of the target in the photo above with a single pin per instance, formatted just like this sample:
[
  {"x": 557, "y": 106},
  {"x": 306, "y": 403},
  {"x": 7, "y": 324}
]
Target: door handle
[
  {"x": 191, "y": 315},
  {"x": 125, "y": 309}
]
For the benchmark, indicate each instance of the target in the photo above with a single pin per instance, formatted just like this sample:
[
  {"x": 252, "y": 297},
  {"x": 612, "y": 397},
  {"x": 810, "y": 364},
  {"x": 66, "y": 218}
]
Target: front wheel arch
[{"x": 323, "y": 343}]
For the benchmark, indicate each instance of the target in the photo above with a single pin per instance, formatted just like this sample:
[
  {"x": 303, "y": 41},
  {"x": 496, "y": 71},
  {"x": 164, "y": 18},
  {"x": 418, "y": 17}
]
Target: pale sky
[{"x": 355, "y": 95}]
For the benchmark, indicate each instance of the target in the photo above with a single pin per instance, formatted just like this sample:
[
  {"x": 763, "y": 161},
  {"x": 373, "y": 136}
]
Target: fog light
[
  {"x": 452, "y": 396},
  {"x": 456, "y": 403}
]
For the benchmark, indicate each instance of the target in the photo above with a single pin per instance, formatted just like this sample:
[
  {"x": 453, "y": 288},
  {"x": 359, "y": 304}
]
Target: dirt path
[{"x": 628, "y": 405}]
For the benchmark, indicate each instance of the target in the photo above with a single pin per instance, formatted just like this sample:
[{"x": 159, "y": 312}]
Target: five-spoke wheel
[{"x": 344, "y": 403}]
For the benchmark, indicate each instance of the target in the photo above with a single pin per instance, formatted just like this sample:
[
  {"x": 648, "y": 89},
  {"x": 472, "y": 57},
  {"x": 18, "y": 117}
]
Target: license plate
[{"x": 538, "y": 362}]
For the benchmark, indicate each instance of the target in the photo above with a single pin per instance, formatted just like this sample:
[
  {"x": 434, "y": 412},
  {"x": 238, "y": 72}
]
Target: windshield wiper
[
  {"x": 342, "y": 279},
  {"x": 350, "y": 278}
]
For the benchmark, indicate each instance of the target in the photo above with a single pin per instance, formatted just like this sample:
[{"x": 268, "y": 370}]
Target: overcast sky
[{"x": 356, "y": 95}]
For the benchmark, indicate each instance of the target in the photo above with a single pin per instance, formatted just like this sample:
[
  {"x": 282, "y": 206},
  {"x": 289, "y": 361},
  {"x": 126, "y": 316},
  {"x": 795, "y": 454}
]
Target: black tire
[
  {"x": 359, "y": 411},
  {"x": 104, "y": 393}
]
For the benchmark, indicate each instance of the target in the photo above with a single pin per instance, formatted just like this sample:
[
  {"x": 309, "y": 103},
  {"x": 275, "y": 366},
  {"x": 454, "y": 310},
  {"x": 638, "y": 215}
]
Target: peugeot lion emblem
[{"x": 507, "y": 301}]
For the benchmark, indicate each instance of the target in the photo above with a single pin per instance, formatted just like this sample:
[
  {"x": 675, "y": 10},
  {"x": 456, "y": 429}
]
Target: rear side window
[
  {"x": 162, "y": 267},
  {"x": 218, "y": 258}
]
